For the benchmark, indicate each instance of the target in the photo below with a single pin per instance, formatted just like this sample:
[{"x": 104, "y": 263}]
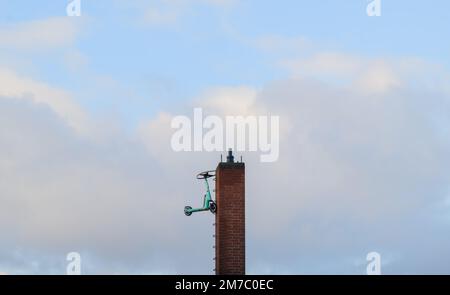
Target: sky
[{"x": 85, "y": 126}]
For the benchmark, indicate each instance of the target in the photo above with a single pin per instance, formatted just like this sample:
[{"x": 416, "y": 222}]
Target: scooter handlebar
[{"x": 206, "y": 174}]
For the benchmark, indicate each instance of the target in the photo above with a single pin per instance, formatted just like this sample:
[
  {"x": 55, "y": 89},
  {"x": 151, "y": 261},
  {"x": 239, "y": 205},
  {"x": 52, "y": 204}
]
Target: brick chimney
[{"x": 230, "y": 217}]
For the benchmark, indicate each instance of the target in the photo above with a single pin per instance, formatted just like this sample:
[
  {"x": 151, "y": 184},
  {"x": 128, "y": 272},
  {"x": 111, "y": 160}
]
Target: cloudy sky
[{"x": 86, "y": 105}]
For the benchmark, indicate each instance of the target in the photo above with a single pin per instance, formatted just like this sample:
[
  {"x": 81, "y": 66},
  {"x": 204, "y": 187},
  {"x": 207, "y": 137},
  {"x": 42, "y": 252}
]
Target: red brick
[{"x": 230, "y": 219}]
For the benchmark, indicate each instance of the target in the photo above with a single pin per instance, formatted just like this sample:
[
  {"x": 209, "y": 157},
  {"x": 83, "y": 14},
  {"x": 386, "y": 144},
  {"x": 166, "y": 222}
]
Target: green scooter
[{"x": 208, "y": 203}]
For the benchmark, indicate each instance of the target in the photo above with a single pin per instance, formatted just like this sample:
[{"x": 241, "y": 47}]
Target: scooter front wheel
[
  {"x": 213, "y": 207},
  {"x": 187, "y": 210}
]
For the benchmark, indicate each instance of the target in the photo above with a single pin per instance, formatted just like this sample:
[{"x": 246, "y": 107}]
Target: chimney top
[{"x": 230, "y": 158}]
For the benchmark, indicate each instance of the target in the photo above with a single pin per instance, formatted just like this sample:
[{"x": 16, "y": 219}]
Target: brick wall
[{"x": 230, "y": 219}]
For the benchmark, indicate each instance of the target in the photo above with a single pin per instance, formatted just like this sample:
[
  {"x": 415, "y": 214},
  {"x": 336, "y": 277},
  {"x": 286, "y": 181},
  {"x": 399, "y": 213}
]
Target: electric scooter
[{"x": 208, "y": 202}]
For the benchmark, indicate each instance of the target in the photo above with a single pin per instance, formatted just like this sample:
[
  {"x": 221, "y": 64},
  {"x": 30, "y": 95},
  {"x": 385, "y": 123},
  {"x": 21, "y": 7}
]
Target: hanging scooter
[{"x": 208, "y": 202}]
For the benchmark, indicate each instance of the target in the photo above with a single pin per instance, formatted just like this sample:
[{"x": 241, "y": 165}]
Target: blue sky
[
  {"x": 85, "y": 110},
  {"x": 214, "y": 44}
]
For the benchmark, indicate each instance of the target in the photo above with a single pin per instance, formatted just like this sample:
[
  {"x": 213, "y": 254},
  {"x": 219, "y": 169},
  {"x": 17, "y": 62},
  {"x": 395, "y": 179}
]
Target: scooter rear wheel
[
  {"x": 187, "y": 210},
  {"x": 213, "y": 207}
]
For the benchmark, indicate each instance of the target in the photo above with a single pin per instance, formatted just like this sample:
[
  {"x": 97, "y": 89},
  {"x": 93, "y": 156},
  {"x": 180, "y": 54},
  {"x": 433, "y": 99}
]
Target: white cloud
[
  {"x": 108, "y": 201},
  {"x": 359, "y": 169},
  {"x": 75, "y": 61},
  {"x": 229, "y": 100},
  {"x": 15, "y": 86},
  {"x": 281, "y": 44},
  {"x": 169, "y": 13},
  {"x": 368, "y": 75},
  {"x": 327, "y": 63},
  {"x": 379, "y": 77},
  {"x": 39, "y": 35}
]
